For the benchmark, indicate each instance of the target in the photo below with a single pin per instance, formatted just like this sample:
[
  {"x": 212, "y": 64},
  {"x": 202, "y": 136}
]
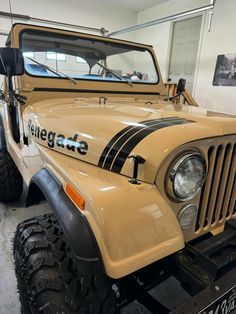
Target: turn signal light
[{"x": 75, "y": 196}]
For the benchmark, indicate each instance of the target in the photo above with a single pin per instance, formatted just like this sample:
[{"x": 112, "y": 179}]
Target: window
[
  {"x": 80, "y": 60},
  {"x": 88, "y": 59},
  {"x": 28, "y": 54},
  {"x": 56, "y": 56}
]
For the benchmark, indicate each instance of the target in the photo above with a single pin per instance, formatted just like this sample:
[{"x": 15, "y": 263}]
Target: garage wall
[
  {"x": 80, "y": 12},
  {"x": 221, "y": 39},
  {"x": 160, "y": 35}
]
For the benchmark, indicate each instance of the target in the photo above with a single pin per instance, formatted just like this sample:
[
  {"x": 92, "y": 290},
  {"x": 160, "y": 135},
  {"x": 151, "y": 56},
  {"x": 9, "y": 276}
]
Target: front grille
[{"x": 218, "y": 197}]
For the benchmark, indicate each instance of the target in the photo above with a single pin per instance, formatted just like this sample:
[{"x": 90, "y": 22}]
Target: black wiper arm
[
  {"x": 58, "y": 73},
  {"x": 114, "y": 74}
]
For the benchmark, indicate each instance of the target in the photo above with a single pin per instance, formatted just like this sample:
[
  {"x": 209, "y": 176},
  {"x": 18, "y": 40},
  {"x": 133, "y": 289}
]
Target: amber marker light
[{"x": 75, "y": 196}]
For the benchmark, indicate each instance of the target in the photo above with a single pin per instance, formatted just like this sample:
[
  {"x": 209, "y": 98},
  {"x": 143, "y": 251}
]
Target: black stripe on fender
[
  {"x": 139, "y": 136},
  {"x": 126, "y": 136}
]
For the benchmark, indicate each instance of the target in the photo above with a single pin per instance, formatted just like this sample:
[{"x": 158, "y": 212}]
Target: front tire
[
  {"x": 49, "y": 279},
  {"x": 11, "y": 182}
]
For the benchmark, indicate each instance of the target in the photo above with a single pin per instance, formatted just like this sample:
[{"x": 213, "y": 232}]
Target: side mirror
[
  {"x": 181, "y": 86},
  {"x": 11, "y": 61}
]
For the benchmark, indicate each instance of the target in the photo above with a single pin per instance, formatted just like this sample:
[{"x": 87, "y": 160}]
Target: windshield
[{"x": 86, "y": 59}]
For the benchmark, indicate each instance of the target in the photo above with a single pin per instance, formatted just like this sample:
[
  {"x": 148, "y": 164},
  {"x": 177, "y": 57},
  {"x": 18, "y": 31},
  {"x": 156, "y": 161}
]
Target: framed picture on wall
[{"x": 225, "y": 71}]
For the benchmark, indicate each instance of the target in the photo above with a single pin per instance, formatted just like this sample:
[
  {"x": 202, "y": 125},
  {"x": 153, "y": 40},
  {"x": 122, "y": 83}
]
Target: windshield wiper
[
  {"x": 115, "y": 74},
  {"x": 58, "y": 73}
]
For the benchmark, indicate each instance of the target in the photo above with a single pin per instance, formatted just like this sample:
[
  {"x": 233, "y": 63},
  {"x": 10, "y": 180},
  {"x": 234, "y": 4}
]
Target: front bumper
[
  {"x": 212, "y": 273},
  {"x": 219, "y": 297},
  {"x": 205, "y": 269}
]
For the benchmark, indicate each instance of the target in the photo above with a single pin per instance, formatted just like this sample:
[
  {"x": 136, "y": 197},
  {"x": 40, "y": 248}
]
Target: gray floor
[{"x": 10, "y": 217}]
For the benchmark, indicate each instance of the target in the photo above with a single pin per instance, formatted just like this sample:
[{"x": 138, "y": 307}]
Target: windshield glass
[{"x": 86, "y": 59}]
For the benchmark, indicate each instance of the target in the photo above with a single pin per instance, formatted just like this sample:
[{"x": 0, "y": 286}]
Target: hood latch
[{"x": 137, "y": 161}]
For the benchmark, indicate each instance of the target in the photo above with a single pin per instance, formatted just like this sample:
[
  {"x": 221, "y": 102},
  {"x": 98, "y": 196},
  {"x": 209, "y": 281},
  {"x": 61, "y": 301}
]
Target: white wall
[
  {"x": 160, "y": 35},
  {"x": 221, "y": 39},
  {"x": 79, "y": 12}
]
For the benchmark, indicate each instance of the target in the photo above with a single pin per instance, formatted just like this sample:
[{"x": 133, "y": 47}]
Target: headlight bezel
[{"x": 173, "y": 170}]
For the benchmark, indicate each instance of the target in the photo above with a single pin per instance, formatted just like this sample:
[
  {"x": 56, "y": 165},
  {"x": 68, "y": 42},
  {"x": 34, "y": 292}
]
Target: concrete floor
[{"x": 10, "y": 216}]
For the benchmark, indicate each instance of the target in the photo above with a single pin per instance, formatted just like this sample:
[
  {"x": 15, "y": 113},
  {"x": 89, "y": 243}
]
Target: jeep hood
[{"x": 106, "y": 135}]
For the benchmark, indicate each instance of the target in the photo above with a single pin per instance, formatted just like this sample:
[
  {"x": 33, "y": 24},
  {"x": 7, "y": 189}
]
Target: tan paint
[
  {"x": 27, "y": 159},
  {"x": 79, "y": 117},
  {"x": 130, "y": 233},
  {"x": 28, "y": 83},
  {"x": 134, "y": 225},
  {"x": 201, "y": 146},
  {"x": 122, "y": 215}
]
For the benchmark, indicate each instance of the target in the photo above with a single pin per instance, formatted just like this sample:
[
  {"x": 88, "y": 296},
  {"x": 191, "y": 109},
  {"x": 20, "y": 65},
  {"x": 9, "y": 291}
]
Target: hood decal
[
  {"x": 53, "y": 139},
  {"x": 120, "y": 146},
  {"x": 118, "y": 140}
]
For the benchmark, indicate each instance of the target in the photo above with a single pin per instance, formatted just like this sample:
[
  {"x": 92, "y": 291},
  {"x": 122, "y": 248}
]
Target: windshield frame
[{"x": 126, "y": 44}]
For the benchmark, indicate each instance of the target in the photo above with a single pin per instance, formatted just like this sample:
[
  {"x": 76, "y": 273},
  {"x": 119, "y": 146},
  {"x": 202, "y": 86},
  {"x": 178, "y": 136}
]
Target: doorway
[{"x": 184, "y": 50}]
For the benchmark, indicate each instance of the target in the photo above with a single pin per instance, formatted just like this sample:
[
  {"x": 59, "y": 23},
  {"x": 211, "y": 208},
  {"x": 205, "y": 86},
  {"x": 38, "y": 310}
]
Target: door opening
[{"x": 184, "y": 50}]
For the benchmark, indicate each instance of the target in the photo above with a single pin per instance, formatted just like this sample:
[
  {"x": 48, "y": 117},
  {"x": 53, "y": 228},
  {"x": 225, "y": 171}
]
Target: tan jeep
[{"x": 141, "y": 187}]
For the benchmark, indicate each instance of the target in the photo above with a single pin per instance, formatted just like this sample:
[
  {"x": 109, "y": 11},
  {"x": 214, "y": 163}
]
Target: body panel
[
  {"x": 215, "y": 191},
  {"x": 92, "y": 126},
  {"x": 130, "y": 233},
  {"x": 69, "y": 217},
  {"x": 78, "y": 131}
]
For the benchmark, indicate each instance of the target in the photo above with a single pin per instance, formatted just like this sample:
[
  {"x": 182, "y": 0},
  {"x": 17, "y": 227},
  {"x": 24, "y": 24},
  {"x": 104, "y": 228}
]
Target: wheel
[
  {"x": 49, "y": 278},
  {"x": 11, "y": 182}
]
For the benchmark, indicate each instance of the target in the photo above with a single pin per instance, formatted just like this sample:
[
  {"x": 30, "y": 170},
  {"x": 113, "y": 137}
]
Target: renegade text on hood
[{"x": 53, "y": 139}]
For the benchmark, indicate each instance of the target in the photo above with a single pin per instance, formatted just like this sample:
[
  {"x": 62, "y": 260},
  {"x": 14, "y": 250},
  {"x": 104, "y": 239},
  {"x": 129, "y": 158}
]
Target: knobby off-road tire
[
  {"x": 49, "y": 278},
  {"x": 11, "y": 183}
]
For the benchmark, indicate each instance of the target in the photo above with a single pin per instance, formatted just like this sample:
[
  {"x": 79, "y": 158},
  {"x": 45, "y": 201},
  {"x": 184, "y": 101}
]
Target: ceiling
[{"x": 136, "y": 5}]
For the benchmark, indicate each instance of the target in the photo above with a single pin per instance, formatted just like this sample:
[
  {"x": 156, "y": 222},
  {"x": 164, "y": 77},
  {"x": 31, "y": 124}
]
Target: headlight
[
  {"x": 187, "y": 216},
  {"x": 187, "y": 176}
]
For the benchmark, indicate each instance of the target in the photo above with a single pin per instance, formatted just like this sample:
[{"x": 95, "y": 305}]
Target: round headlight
[
  {"x": 187, "y": 216},
  {"x": 188, "y": 175}
]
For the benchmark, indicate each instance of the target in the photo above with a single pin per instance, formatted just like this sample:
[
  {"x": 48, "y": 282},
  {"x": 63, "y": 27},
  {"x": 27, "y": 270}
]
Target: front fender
[
  {"x": 133, "y": 224},
  {"x": 74, "y": 225}
]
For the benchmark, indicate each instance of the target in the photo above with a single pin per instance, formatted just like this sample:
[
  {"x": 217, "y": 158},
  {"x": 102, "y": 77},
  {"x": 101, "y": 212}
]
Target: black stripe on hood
[{"x": 119, "y": 148}]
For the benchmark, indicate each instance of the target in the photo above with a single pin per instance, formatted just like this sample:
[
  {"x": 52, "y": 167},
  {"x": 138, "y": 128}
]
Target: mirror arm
[{"x": 173, "y": 97}]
